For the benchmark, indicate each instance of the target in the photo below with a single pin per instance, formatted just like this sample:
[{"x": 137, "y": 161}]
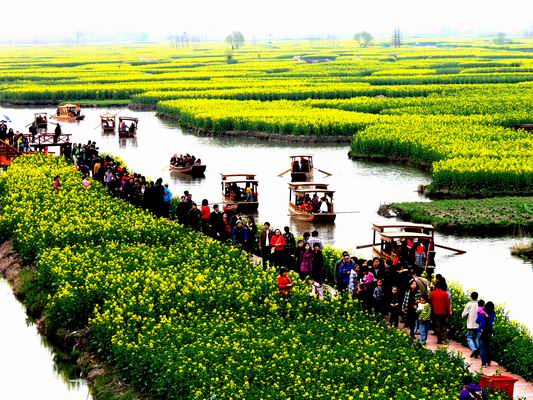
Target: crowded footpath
[{"x": 397, "y": 288}]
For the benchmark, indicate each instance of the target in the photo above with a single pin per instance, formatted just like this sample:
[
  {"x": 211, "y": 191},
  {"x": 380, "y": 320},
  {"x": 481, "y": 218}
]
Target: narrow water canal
[
  {"x": 361, "y": 187},
  {"x": 28, "y": 366}
]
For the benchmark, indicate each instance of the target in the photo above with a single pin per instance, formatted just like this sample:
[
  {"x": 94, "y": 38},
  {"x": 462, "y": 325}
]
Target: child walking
[
  {"x": 424, "y": 315},
  {"x": 378, "y": 296},
  {"x": 394, "y": 307}
]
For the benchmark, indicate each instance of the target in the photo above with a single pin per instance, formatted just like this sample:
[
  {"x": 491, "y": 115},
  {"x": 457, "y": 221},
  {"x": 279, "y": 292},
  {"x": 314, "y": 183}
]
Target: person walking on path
[
  {"x": 251, "y": 227},
  {"x": 317, "y": 273},
  {"x": 205, "y": 214},
  {"x": 409, "y": 306},
  {"x": 265, "y": 238},
  {"x": 306, "y": 261},
  {"x": 394, "y": 307},
  {"x": 470, "y": 314},
  {"x": 424, "y": 315},
  {"x": 485, "y": 321},
  {"x": 440, "y": 303},
  {"x": 278, "y": 249},
  {"x": 342, "y": 273},
  {"x": 290, "y": 247}
]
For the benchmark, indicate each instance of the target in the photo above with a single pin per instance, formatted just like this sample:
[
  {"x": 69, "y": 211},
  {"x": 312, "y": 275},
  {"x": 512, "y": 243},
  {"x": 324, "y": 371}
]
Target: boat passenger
[
  {"x": 249, "y": 195},
  {"x": 304, "y": 165},
  {"x": 296, "y": 166},
  {"x": 324, "y": 205},
  {"x": 174, "y": 159},
  {"x": 132, "y": 128}
]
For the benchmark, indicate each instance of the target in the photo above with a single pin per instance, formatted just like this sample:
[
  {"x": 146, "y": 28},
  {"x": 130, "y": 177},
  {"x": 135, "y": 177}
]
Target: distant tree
[
  {"x": 235, "y": 40},
  {"x": 364, "y": 38},
  {"x": 501, "y": 38}
]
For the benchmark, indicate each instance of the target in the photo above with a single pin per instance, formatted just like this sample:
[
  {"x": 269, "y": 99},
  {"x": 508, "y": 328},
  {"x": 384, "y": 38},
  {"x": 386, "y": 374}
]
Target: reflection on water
[
  {"x": 361, "y": 187},
  {"x": 29, "y": 367}
]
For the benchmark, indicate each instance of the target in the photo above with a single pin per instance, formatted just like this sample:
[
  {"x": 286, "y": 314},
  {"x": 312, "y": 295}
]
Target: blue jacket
[
  {"x": 485, "y": 322},
  {"x": 167, "y": 196},
  {"x": 470, "y": 392}
]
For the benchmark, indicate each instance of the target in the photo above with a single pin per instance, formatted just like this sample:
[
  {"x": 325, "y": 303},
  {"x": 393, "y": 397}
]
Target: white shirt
[{"x": 324, "y": 207}]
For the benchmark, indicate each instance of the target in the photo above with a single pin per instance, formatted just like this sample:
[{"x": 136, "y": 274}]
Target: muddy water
[
  {"x": 360, "y": 188},
  {"x": 28, "y": 369}
]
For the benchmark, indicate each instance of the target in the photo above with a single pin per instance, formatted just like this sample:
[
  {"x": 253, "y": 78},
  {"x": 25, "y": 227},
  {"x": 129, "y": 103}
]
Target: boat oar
[
  {"x": 28, "y": 125},
  {"x": 97, "y": 126},
  {"x": 450, "y": 248},
  {"x": 324, "y": 172},
  {"x": 284, "y": 172},
  {"x": 364, "y": 246},
  {"x": 165, "y": 167}
]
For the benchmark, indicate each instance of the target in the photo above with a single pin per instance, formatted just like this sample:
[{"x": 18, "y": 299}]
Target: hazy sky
[{"x": 34, "y": 18}]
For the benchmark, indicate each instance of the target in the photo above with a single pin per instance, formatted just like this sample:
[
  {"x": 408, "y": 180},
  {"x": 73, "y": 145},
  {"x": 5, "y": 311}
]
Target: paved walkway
[{"x": 522, "y": 388}]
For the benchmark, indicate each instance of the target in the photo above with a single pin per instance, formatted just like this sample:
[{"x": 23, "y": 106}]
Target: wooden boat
[
  {"x": 127, "y": 127},
  {"x": 301, "y": 168},
  {"x": 297, "y": 193},
  {"x": 41, "y": 121},
  {"x": 240, "y": 191},
  {"x": 194, "y": 170},
  {"x": 108, "y": 122},
  {"x": 387, "y": 236},
  {"x": 68, "y": 112}
]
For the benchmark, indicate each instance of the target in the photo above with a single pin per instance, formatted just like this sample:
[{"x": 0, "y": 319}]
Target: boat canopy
[
  {"x": 401, "y": 225},
  {"x": 318, "y": 185},
  {"x": 240, "y": 181},
  {"x": 391, "y": 236},
  {"x": 108, "y": 115},
  {"x": 133, "y": 119},
  {"x": 234, "y": 177},
  {"x": 314, "y": 191}
]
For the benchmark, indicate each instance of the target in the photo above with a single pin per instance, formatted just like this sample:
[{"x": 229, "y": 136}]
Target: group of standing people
[
  {"x": 16, "y": 139},
  {"x": 480, "y": 327},
  {"x": 128, "y": 186},
  {"x": 399, "y": 291}
]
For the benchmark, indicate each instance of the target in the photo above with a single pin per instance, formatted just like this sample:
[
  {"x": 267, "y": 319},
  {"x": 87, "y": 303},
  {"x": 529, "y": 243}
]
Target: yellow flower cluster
[{"x": 182, "y": 316}]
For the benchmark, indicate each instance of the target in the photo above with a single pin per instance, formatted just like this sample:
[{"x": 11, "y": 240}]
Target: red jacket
[
  {"x": 283, "y": 285},
  {"x": 440, "y": 302},
  {"x": 278, "y": 242}
]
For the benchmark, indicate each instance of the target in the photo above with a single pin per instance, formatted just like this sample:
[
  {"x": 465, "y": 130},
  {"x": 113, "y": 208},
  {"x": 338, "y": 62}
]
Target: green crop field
[
  {"x": 176, "y": 329},
  {"x": 452, "y": 108}
]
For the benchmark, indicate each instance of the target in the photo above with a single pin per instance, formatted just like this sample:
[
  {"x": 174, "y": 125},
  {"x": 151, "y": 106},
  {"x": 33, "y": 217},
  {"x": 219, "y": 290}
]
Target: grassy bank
[
  {"x": 182, "y": 316},
  {"x": 524, "y": 250},
  {"x": 499, "y": 215}
]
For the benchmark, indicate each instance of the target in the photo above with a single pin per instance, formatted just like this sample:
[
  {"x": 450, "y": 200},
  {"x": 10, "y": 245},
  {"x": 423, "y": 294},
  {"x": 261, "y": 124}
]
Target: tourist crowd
[
  {"x": 394, "y": 287},
  {"x": 16, "y": 139}
]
